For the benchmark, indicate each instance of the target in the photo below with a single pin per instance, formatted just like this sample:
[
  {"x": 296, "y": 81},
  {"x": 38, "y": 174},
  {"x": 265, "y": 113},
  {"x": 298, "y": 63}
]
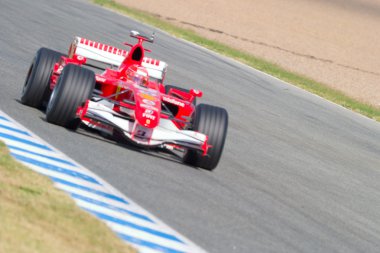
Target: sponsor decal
[
  {"x": 147, "y": 96},
  {"x": 151, "y": 92},
  {"x": 149, "y": 111},
  {"x": 149, "y": 116},
  {"x": 103, "y": 127},
  {"x": 173, "y": 101},
  {"x": 100, "y": 79},
  {"x": 149, "y": 107},
  {"x": 148, "y": 102}
]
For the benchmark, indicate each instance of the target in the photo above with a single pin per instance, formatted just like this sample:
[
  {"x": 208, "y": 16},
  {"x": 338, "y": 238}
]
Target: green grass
[
  {"x": 35, "y": 217},
  {"x": 301, "y": 81}
]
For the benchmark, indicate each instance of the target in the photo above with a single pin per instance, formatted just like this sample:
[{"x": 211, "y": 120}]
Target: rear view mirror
[{"x": 196, "y": 93}]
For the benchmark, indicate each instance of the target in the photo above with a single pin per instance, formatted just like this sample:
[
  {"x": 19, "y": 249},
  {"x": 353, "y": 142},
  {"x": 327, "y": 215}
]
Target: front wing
[{"x": 100, "y": 116}]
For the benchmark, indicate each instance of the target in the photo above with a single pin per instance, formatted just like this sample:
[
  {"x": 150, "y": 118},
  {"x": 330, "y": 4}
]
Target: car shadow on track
[{"x": 160, "y": 153}]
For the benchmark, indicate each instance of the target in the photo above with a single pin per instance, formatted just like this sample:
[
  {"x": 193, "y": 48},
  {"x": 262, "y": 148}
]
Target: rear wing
[{"x": 114, "y": 56}]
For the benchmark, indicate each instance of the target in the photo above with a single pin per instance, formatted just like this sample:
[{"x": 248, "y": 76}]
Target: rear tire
[
  {"x": 36, "y": 90},
  {"x": 74, "y": 86},
  {"x": 212, "y": 121}
]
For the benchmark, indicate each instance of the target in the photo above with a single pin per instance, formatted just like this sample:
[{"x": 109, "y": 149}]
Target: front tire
[
  {"x": 212, "y": 121},
  {"x": 74, "y": 86},
  {"x": 36, "y": 90}
]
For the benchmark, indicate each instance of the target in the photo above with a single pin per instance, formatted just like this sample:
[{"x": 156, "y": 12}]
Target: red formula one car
[{"x": 126, "y": 98}]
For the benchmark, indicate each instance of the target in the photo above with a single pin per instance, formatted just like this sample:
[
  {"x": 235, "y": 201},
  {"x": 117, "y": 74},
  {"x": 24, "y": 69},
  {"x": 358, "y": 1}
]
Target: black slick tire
[
  {"x": 36, "y": 90},
  {"x": 212, "y": 121},
  {"x": 74, "y": 86}
]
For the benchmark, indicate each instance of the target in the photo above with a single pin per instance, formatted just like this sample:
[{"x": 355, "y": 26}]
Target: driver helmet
[{"x": 138, "y": 75}]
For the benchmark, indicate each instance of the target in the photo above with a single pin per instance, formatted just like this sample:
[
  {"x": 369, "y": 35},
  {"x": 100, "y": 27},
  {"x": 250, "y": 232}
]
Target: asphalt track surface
[{"x": 298, "y": 173}]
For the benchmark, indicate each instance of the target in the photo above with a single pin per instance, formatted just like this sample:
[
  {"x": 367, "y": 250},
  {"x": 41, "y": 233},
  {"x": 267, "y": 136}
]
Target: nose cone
[
  {"x": 148, "y": 109},
  {"x": 147, "y": 117}
]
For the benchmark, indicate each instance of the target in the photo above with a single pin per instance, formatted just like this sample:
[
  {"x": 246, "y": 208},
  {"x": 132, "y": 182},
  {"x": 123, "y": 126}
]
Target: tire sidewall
[
  {"x": 54, "y": 96},
  {"x": 30, "y": 76},
  {"x": 73, "y": 88},
  {"x": 36, "y": 89}
]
